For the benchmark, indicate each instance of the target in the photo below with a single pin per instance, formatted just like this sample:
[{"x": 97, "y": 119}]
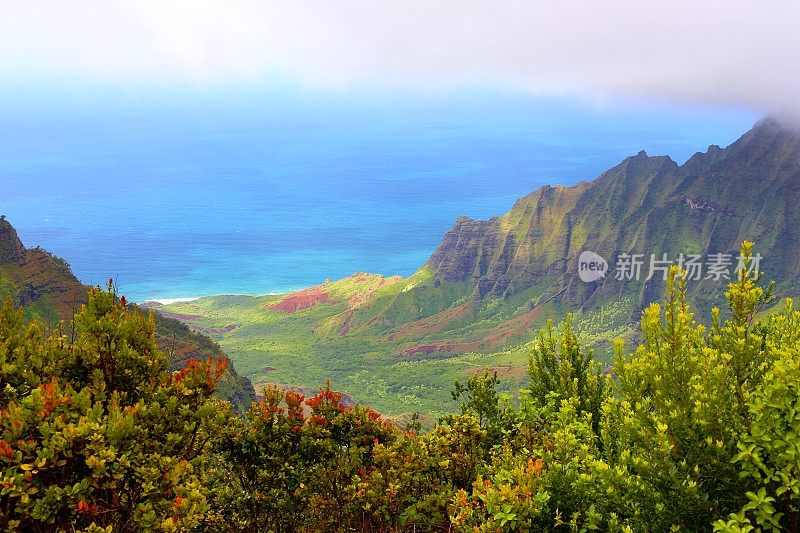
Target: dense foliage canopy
[{"x": 697, "y": 429}]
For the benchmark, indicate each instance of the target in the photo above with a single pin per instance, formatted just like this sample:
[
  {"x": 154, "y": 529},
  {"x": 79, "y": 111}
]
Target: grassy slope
[{"x": 272, "y": 346}]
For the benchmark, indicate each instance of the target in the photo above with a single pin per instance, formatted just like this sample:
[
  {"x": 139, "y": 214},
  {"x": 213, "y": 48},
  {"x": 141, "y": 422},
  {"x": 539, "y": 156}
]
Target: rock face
[
  {"x": 48, "y": 289},
  {"x": 647, "y": 205},
  {"x": 11, "y": 248},
  {"x": 497, "y": 272}
]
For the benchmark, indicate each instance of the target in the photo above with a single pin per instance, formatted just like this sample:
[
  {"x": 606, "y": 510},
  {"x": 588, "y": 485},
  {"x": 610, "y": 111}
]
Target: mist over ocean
[{"x": 180, "y": 197}]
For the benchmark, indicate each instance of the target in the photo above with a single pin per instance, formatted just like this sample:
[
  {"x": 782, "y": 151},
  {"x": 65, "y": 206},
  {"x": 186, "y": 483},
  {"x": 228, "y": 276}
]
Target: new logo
[{"x": 591, "y": 266}]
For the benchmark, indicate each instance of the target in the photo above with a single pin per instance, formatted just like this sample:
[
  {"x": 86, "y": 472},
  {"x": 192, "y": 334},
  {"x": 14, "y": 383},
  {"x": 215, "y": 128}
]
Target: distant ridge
[{"x": 646, "y": 204}]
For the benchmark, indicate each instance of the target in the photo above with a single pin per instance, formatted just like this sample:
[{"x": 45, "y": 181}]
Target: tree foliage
[
  {"x": 697, "y": 428},
  {"x": 94, "y": 434},
  {"x": 560, "y": 369}
]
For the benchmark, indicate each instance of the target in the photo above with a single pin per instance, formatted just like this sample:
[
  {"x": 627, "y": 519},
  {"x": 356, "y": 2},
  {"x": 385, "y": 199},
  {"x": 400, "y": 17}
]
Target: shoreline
[
  {"x": 170, "y": 301},
  {"x": 283, "y": 292}
]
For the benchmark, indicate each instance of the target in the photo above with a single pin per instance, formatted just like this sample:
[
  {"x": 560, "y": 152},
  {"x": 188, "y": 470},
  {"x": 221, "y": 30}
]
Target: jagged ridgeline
[
  {"x": 646, "y": 205},
  {"x": 50, "y": 292},
  {"x": 398, "y": 344}
]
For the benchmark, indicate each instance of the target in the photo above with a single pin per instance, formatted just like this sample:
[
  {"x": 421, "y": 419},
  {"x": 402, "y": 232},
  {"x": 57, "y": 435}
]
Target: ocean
[{"x": 180, "y": 197}]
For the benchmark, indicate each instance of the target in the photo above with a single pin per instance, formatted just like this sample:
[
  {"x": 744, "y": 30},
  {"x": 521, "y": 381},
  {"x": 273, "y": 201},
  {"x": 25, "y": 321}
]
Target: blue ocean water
[{"x": 186, "y": 196}]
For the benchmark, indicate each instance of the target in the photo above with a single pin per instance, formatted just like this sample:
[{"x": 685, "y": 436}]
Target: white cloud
[{"x": 733, "y": 52}]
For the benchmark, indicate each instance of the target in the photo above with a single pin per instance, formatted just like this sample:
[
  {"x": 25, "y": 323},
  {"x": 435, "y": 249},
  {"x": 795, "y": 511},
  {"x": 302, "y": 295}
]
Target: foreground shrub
[
  {"x": 698, "y": 428},
  {"x": 94, "y": 434}
]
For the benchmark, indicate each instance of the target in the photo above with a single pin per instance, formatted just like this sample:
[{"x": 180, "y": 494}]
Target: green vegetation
[
  {"x": 686, "y": 424},
  {"x": 296, "y": 349},
  {"x": 697, "y": 428},
  {"x": 95, "y": 435}
]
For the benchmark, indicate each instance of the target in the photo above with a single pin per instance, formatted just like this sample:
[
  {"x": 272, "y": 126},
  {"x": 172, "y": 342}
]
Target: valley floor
[{"x": 271, "y": 345}]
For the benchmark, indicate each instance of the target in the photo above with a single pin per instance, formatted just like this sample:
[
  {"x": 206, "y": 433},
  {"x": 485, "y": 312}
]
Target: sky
[
  {"x": 389, "y": 117},
  {"x": 729, "y": 53}
]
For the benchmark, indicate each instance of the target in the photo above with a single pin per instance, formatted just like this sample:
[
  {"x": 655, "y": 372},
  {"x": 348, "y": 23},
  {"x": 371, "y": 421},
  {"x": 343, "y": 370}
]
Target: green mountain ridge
[
  {"x": 643, "y": 205},
  {"x": 397, "y": 344},
  {"x": 50, "y": 292}
]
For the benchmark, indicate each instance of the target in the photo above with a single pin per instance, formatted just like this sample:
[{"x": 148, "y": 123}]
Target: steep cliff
[{"x": 645, "y": 205}]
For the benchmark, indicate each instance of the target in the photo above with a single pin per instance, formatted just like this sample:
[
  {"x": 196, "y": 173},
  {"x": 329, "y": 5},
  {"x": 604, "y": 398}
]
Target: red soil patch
[
  {"x": 305, "y": 299},
  {"x": 432, "y": 324},
  {"x": 347, "y": 324}
]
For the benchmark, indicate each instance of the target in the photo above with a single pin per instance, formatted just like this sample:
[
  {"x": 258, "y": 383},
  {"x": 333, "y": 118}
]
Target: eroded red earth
[{"x": 305, "y": 299}]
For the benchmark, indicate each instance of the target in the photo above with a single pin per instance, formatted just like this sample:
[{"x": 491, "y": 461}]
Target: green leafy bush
[
  {"x": 697, "y": 428},
  {"x": 94, "y": 434}
]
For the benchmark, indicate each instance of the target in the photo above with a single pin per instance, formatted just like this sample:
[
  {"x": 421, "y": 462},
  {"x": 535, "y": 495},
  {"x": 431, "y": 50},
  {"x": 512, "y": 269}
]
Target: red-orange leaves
[
  {"x": 196, "y": 374},
  {"x": 317, "y": 421},
  {"x": 294, "y": 405},
  {"x": 5, "y": 449},
  {"x": 534, "y": 467},
  {"x": 51, "y": 397},
  {"x": 220, "y": 367},
  {"x": 326, "y": 398},
  {"x": 266, "y": 409}
]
